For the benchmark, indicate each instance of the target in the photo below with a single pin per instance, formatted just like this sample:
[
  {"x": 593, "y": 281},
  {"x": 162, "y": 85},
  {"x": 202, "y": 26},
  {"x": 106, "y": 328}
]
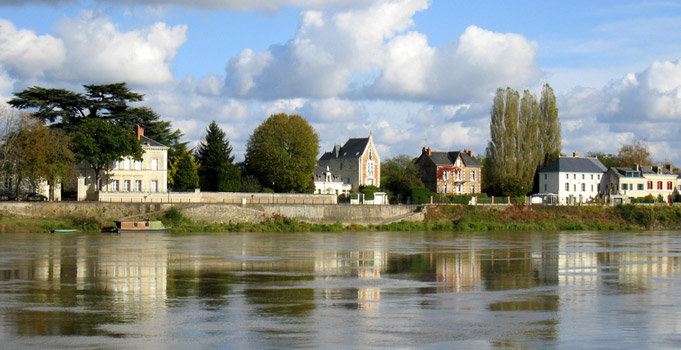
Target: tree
[
  {"x": 636, "y": 153},
  {"x": 67, "y": 109},
  {"x": 184, "y": 174},
  {"x": 399, "y": 175},
  {"x": 46, "y": 154},
  {"x": 608, "y": 160},
  {"x": 282, "y": 152},
  {"x": 217, "y": 171},
  {"x": 525, "y": 137},
  {"x": 100, "y": 143}
]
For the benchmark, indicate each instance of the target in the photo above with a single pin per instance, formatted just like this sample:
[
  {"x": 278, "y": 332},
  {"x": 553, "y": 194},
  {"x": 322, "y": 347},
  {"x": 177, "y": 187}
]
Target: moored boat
[
  {"x": 64, "y": 230},
  {"x": 141, "y": 226}
]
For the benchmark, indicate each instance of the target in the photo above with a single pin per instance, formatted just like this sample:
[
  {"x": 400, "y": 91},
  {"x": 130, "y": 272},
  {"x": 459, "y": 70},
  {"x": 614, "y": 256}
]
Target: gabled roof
[
  {"x": 353, "y": 148},
  {"x": 575, "y": 165},
  {"x": 643, "y": 170},
  {"x": 449, "y": 158},
  {"x": 149, "y": 142}
]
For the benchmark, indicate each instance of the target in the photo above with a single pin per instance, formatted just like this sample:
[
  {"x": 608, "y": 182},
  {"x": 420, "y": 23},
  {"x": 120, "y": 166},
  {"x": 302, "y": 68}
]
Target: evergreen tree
[
  {"x": 550, "y": 136},
  {"x": 184, "y": 174},
  {"x": 214, "y": 155}
]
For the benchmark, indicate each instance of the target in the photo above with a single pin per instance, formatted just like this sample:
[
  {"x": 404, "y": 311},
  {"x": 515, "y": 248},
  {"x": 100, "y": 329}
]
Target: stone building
[
  {"x": 149, "y": 175},
  {"x": 356, "y": 163},
  {"x": 453, "y": 172}
]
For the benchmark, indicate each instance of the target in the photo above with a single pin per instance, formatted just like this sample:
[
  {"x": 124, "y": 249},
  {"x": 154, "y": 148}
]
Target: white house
[
  {"x": 326, "y": 182},
  {"x": 573, "y": 179}
]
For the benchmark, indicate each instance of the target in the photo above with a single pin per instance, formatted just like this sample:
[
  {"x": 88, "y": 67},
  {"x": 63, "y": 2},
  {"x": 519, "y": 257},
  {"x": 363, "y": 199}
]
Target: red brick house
[{"x": 452, "y": 172}]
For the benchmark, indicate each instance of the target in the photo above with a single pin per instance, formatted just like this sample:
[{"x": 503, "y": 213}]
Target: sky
[{"x": 413, "y": 73}]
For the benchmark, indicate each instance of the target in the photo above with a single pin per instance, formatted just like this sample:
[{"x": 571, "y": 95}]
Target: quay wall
[{"x": 218, "y": 212}]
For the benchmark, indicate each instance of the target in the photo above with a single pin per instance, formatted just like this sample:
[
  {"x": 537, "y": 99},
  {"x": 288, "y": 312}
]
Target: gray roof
[
  {"x": 449, "y": 158},
  {"x": 353, "y": 148},
  {"x": 147, "y": 141},
  {"x": 575, "y": 165},
  {"x": 644, "y": 169}
]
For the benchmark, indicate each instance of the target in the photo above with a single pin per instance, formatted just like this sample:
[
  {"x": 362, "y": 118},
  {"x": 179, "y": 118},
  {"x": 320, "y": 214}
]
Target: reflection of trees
[{"x": 211, "y": 286}]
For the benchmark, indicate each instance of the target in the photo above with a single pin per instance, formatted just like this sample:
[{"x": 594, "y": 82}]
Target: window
[
  {"x": 138, "y": 165},
  {"x": 371, "y": 155},
  {"x": 624, "y": 187},
  {"x": 126, "y": 185},
  {"x": 567, "y": 187},
  {"x": 592, "y": 176},
  {"x": 126, "y": 164},
  {"x": 592, "y": 186},
  {"x": 545, "y": 176},
  {"x": 583, "y": 176},
  {"x": 583, "y": 187},
  {"x": 567, "y": 176},
  {"x": 114, "y": 185},
  {"x": 599, "y": 176},
  {"x": 473, "y": 175},
  {"x": 459, "y": 188},
  {"x": 138, "y": 185},
  {"x": 669, "y": 185},
  {"x": 444, "y": 175},
  {"x": 445, "y": 189},
  {"x": 639, "y": 187},
  {"x": 574, "y": 176},
  {"x": 370, "y": 169},
  {"x": 650, "y": 185},
  {"x": 154, "y": 164},
  {"x": 458, "y": 175},
  {"x": 574, "y": 188},
  {"x": 659, "y": 185},
  {"x": 631, "y": 186},
  {"x": 472, "y": 188},
  {"x": 154, "y": 186},
  {"x": 115, "y": 165}
]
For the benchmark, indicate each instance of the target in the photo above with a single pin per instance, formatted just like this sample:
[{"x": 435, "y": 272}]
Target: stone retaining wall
[{"x": 217, "y": 213}]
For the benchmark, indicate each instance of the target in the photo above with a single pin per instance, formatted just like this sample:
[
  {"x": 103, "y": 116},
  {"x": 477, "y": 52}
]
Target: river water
[{"x": 386, "y": 290}]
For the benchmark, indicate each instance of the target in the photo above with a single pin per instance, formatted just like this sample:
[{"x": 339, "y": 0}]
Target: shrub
[{"x": 420, "y": 195}]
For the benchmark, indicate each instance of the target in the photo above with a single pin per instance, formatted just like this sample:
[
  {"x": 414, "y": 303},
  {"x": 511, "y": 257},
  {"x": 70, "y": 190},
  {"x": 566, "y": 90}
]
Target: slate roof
[
  {"x": 147, "y": 141},
  {"x": 575, "y": 165},
  {"x": 645, "y": 169},
  {"x": 449, "y": 158},
  {"x": 352, "y": 149}
]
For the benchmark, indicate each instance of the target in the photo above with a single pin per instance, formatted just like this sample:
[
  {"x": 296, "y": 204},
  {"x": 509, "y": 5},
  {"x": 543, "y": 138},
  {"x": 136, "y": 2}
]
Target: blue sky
[{"x": 415, "y": 72}]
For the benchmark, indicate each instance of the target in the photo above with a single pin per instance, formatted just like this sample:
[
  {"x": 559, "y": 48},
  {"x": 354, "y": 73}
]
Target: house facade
[
  {"x": 641, "y": 181},
  {"x": 326, "y": 182},
  {"x": 356, "y": 163},
  {"x": 453, "y": 172},
  {"x": 149, "y": 175},
  {"x": 573, "y": 179}
]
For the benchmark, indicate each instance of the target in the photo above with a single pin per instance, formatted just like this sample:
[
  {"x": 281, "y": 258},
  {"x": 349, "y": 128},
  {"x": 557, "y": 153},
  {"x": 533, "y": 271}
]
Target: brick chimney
[
  {"x": 469, "y": 152},
  {"x": 140, "y": 131},
  {"x": 575, "y": 154},
  {"x": 426, "y": 150}
]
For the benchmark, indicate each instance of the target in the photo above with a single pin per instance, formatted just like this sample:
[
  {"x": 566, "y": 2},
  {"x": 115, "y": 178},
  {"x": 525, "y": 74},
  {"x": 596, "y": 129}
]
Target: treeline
[{"x": 98, "y": 127}]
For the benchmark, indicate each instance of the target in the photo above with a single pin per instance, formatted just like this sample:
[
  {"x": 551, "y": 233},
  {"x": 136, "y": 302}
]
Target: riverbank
[{"x": 436, "y": 218}]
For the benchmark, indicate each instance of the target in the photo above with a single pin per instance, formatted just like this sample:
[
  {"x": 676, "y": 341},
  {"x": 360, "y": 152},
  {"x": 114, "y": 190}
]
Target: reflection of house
[
  {"x": 573, "y": 179},
  {"x": 450, "y": 172},
  {"x": 326, "y": 182},
  {"x": 149, "y": 175},
  {"x": 356, "y": 162},
  {"x": 641, "y": 181}
]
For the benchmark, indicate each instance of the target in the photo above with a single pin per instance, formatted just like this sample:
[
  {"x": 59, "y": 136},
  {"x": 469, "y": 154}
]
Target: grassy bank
[{"x": 441, "y": 218}]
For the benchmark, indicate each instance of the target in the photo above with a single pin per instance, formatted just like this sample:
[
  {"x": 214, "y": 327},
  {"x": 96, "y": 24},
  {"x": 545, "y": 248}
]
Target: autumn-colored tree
[
  {"x": 282, "y": 153},
  {"x": 631, "y": 154}
]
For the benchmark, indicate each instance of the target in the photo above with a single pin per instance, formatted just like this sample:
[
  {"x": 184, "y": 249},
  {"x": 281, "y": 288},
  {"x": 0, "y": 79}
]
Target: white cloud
[
  {"x": 26, "y": 54},
  {"x": 97, "y": 51}
]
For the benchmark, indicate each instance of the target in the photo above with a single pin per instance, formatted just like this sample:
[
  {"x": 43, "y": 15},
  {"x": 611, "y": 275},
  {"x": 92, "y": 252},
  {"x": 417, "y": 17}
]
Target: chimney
[
  {"x": 575, "y": 154},
  {"x": 140, "y": 131},
  {"x": 469, "y": 152},
  {"x": 669, "y": 167}
]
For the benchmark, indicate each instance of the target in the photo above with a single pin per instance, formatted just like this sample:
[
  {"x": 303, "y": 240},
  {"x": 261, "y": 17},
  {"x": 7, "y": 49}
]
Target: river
[{"x": 386, "y": 290}]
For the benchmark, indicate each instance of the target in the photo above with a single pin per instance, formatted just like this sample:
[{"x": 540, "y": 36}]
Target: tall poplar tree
[
  {"x": 217, "y": 172},
  {"x": 525, "y": 136}
]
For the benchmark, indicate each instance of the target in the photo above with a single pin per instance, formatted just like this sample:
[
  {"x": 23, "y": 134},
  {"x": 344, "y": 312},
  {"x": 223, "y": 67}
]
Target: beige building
[
  {"x": 147, "y": 176},
  {"x": 355, "y": 163},
  {"x": 641, "y": 181}
]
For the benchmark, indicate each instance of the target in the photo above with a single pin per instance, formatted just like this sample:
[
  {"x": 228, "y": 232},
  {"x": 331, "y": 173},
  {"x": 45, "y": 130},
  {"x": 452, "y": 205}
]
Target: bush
[
  {"x": 174, "y": 217},
  {"x": 368, "y": 191},
  {"x": 420, "y": 195}
]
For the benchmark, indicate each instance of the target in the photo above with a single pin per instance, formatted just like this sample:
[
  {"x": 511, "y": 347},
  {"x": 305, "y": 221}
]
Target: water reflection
[{"x": 291, "y": 290}]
